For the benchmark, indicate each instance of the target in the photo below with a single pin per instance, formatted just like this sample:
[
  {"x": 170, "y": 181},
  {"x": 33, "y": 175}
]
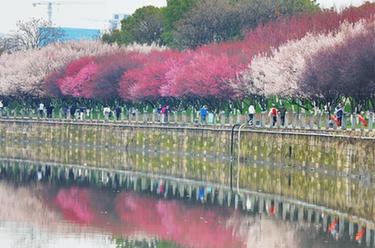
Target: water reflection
[
  {"x": 50, "y": 215},
  {"x": 337, "y": 184}
]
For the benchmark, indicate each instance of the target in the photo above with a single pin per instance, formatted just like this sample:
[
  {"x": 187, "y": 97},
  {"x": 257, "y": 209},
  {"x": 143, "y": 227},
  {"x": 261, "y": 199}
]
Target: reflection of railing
[
  {"x": 304, "y": 121},
  {"x": 329, "y": 220},
  {"x": 231, "y": 153}
]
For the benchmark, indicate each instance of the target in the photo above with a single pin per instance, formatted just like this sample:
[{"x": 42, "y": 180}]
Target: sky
[{"x": 90, "y": 13}]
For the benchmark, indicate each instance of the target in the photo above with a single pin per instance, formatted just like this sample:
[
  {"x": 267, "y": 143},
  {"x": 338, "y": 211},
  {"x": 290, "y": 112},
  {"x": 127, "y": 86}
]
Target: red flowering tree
[
  {"x": 69, "y": 81},
  {"x": 105, "y": 83},
  {"x": 75, "y": 66},
  {"x": 202, "y": 76},
  {"x": 149, "y": 79},
  {"x": 90, "y": 77}
]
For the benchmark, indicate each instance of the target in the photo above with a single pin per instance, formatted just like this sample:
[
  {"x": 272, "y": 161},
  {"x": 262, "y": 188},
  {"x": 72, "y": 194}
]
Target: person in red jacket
[{"x": 273, "y": 114}]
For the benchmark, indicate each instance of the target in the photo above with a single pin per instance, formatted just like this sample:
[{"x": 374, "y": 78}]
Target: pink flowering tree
[
  {"x": 95, "y": 77},
  {"x": 76, "y": 85},
  {"x": 201, "y": 77},
  {"x": 105, "y": 83},
  {"x": 149, "y": 79}
]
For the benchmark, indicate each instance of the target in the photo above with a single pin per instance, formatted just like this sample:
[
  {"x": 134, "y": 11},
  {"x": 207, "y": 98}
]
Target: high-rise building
[{"x": 115, "y": 22}]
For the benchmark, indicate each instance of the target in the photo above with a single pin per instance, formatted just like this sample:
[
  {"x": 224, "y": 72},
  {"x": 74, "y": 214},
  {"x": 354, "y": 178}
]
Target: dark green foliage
[
  {"x": 175, "y": 11},
  {"x": 145, "y": 26},
  {"x": 191, "y": 23},
  {"x": 221, "y": 20}
]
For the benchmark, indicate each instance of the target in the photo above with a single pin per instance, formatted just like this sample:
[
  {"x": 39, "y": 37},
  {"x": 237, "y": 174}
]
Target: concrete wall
[{"x": 340, "y": 152}]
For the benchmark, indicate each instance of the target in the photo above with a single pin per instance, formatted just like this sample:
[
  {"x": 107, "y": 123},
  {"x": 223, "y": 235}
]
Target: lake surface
[
  {"x": 93, "y": 194},
  {"x": 45, "y": 212}
]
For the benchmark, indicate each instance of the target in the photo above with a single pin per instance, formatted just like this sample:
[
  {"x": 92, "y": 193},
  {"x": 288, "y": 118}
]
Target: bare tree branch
[{"x": 36, "y": 33}]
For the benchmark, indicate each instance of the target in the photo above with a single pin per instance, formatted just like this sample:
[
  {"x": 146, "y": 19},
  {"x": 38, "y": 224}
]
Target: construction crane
[{"x": 51, "y": 3}]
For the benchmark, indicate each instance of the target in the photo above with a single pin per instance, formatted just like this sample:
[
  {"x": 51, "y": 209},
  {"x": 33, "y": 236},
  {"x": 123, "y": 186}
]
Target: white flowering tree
[{"x": 280, "y": 72}]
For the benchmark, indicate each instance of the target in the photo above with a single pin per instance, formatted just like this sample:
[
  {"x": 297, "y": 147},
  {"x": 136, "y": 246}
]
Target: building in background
[
  {"x": 115, "y": 22},
  {"x": 72, "y": 34},
  {"x": 80, "y": 34}
]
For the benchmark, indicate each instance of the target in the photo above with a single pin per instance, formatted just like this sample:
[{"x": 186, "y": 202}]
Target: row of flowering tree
[{"x": 279, "y": 58}]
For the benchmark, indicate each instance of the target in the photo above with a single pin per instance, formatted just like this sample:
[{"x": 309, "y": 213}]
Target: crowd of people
[
  {"x": 162, "y": 113},
  {"x": 82, "y": 112},
  {"x": 280, "y": 112}
]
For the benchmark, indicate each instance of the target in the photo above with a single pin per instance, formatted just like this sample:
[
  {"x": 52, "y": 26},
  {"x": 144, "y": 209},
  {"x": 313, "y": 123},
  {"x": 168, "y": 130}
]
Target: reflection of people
[
  {"x": 203, "y": 114},
  {"x": 251, "y": 114},
  {"x": 273, "y": 114}
]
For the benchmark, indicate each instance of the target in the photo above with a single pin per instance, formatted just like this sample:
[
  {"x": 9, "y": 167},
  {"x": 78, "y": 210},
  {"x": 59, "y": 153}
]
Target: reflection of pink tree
[
  {"x": 141, "y": 216},
  {"x": 169, "y": 220},
  {"x": 76, "y": 205}
]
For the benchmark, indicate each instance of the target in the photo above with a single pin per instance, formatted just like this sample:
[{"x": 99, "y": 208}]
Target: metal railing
[{"x": 292, "y": 120}]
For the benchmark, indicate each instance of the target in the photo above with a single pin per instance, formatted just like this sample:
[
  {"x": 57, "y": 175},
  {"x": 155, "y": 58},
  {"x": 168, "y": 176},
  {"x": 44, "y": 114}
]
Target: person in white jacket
[
  {"x": 251, "y": 114},
  {"x": 106, "y": 112}
]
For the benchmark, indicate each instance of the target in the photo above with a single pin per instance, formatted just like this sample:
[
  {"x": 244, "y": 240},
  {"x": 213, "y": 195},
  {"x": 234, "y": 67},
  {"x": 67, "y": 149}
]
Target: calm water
[
  {"x": 37, "y": 214},
  {"x": 58, "y": 195}
]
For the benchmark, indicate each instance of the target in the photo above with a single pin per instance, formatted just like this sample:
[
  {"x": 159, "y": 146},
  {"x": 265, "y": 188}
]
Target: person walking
[
  {"x": 339, "y": 114},
  {"x": 158, "y": 113},
  {"x": 203, "y": 114},
  {"x": 1, "y": 107},
  {"x": 282, "y": 113},
  {"x": 49, "y": 110},
  {"x": 251, "y": 114},
  {"x": 82, "y": 111},
  {"x": 65, "y": 110},
  {"x": 41, "y": 110},
  {"x": 73, "y": 109},
  {"x": 106, "y": 112},
  {"x": 273, "y": 114},
  {"x": 164, "y": 113},
  {"x": 118, "y": 111}
]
